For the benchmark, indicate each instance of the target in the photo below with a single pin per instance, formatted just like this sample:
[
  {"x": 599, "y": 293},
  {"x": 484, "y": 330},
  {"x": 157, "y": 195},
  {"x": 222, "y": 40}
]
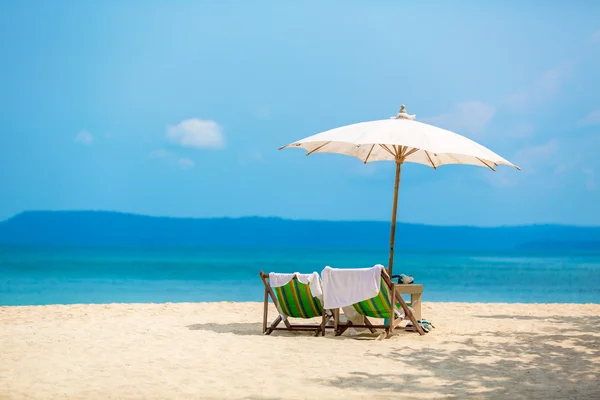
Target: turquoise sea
[{"x": 67, "y": 275}]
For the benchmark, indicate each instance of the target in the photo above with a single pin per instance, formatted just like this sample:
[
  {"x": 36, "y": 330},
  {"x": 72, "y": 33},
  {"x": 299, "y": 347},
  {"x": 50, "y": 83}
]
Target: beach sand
[{"x": 216, "y": 351}]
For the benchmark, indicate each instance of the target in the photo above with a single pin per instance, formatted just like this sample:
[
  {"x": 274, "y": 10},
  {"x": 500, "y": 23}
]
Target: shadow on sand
[
  {"x": 561, "y": 365},
  {"x": 245, "y": 329},
  {"x": 255, "y": 329},
  {"x": 237, "y": 328}
]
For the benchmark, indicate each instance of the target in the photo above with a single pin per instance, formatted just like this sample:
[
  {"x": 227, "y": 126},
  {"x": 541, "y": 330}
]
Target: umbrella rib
[
  {"x": 486, "y": 164},
  {"x": 454, "y": 158},
  {"x": 430, "y": 160},
  {"x": 414, "y": 150},
  {"x": 401, "y": 150},
  {"x": 400, "y": 153},
  {"x": 497, "y": 165},
  {"x": 318, "y": 148},
  {"x": 383, "y": 146},
  {"x": 369, "y": 155}
]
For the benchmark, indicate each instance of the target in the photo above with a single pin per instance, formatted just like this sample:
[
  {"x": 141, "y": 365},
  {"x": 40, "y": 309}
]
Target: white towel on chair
[
  {"x": 344, "y": 287},
  {"x": 312, "y": 280}
]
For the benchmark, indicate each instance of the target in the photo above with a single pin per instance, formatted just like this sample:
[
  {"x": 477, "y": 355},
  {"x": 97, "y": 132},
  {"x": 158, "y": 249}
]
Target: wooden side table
[{"x": 416, "y": 292}]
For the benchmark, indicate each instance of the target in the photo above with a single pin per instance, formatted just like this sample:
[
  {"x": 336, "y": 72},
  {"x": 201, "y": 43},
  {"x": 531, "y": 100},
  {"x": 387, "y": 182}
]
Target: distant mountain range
[{"x": 95, "y": 228}]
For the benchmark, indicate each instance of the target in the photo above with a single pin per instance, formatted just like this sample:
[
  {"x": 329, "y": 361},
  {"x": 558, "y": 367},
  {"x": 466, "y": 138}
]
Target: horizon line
[{"x": 295, "y": 220}]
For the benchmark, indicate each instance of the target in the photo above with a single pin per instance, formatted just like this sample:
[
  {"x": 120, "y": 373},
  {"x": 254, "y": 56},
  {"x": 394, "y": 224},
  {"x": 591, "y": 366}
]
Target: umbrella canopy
[{"x": 401, "y": 139}]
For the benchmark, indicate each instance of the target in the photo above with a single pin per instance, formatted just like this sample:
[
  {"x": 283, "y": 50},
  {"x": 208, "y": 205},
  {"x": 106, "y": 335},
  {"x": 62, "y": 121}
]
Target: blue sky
[{"x": 177, "y": 108}]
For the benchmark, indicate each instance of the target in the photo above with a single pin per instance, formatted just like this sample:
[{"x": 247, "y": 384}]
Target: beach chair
[
  {"x": 293, "y": 300},
  {"x": 381, "y": 306}
]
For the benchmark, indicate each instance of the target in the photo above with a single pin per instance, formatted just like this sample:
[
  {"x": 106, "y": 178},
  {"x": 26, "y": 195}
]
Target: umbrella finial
[{"x": 402, "y": 114}]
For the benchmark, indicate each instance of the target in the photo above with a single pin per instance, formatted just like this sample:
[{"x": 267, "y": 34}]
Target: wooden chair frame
[
  {"x": 318, "y": 329},
  {"x": 393, "y": 321}
]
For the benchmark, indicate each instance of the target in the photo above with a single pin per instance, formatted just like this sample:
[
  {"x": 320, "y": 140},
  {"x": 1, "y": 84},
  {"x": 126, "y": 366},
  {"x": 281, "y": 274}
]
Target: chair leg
[
  {"x": 393, "y": 311},
  {"x": 336, "y": 322},
  {"x": 265, "y": 312},
  {"x": 264, "y": 277},
  {"x": 273, "y": 325},
  {"x": 369, "y": 325},
  {"x": 403, "y": 304},
  {"x": 324, "y": 321},
  {"x": 385, "y": 334},
  {"x": 344, "y": 327},
  {"x": 409, "y": 314}
]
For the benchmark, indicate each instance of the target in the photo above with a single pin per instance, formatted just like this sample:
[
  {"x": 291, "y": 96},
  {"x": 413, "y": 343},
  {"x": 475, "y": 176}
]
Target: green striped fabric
[
  {"x": 296, "y": 300},
  {"x": 378, "y": 306}
]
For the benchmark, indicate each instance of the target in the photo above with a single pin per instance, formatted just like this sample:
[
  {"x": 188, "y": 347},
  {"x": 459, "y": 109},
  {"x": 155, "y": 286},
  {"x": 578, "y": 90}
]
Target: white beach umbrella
[{"x": 400, "y": 139}]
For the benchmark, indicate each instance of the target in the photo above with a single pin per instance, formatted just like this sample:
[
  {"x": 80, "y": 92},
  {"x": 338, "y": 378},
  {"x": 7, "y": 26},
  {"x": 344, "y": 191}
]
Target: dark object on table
[{"x": 403, "y": 279}]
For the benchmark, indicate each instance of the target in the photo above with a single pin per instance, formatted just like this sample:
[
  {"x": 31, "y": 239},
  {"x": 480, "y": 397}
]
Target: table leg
[{"x": 415, "y": 303}]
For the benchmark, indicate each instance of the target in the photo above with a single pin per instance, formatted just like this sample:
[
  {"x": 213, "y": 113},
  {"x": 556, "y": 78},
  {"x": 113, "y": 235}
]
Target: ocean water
[{"x": 70, "y": 275}]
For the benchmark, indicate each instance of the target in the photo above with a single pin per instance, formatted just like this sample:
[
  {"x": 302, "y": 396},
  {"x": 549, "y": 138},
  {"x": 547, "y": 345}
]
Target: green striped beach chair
[
  {"x": 293, "y": 300},
  {"x": 381, "y": 306}
]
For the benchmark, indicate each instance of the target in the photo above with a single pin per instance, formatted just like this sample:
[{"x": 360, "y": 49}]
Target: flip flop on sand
[
  {"x": 424, "y": 324},
  {"x": 423, "y": 327}
]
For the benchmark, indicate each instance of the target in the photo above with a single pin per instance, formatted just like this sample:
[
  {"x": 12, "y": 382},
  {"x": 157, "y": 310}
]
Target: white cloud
[
  {"x": 250, "y": 157},
  {"x": 561, "y": 168},
  {"x": 593, "y": 118},
  {"x": 160, "y": 153},
  {"x": 522, "y": 130},
  {"x": 590, "y": 179},
  {"x": 172, "y": 158},
  {"x": 186, "y": 163},
  {"x": 553, "y": 165},
  {"x": 466, "y": 117},
  {"x": 84, "y": 137},
  {"x": 502, "y": 178},
  {"x": 196, "y": 133},
  {"x": 518, "y": 100},
  {"x": 533, "y": 159},
  {"x": 546, "y": 86},
  {"x": 551, "y": 80}
]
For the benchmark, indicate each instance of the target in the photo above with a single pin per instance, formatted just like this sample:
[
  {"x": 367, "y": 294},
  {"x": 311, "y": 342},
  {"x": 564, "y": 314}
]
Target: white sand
[{"x": 216, "y": 350}]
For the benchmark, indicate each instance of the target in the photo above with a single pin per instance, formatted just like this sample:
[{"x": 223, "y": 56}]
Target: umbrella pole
[{"x": 394, "y": 208}]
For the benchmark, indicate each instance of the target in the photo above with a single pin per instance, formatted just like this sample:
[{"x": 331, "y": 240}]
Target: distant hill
[{"x": 111, "y": 228}]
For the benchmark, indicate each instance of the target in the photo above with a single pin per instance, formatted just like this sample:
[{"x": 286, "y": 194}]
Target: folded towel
[
  {"x": 312, "y": 280},
  {"x": 344, "y": 287}
]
